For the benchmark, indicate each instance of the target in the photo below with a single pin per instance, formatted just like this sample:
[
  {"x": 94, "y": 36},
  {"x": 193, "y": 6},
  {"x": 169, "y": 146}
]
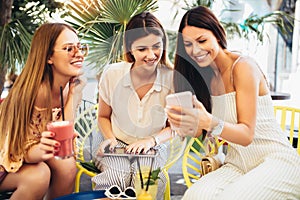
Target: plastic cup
[
  {"x": 64, "y": 133},
  {"x": 142, "y": 194}
]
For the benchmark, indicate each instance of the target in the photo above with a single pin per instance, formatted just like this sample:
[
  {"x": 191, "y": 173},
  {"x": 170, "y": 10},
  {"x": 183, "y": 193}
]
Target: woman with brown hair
[
  {"x": 232, "y": 101},
  {"x": 131, "y": 103}
]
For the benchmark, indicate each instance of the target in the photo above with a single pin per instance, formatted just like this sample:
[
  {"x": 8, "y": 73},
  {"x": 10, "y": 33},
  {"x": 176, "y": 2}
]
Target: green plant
[
  {"x": 153, "y": 177},
  {"x": 253, "y": 24},
  {"x": 14, "y": 45},
  {"x": 101, "y": 24},
  {"x": 17, "y": 29},
  {"x": 90, "y": 165},
  {"x": 256, "y": 24}
]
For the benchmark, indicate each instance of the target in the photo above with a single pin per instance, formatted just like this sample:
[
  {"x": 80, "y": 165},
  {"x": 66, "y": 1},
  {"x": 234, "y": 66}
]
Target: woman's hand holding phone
[
  {"x": 182, "y": 99},
  {"x": 177, "y": 103},
  {"x": 186, "y": 114}
]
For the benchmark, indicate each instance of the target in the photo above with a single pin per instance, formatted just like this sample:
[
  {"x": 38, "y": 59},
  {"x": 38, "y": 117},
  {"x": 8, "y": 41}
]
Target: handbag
[
  {"x": 214, "y": 158},
  {"x": 209, "y": 163}
]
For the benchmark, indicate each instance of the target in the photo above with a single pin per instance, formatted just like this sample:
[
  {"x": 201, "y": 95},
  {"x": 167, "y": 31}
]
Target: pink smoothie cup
[{"x": 64, "y": 133}]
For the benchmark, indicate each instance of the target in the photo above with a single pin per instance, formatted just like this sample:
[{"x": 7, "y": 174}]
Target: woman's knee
[
  {"x": 70, "y": 172},
  {"x": 37, "y": 174},
  {"x": 32, "y": 180},
  {"x": 28, "y": 176},
  {"x": 64, "y": 169}
]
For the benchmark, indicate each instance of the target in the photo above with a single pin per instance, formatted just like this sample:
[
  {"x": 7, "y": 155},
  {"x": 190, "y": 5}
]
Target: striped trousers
[
  {"x": 273, "y": 179},
  {"x": 121, "y": 171}
]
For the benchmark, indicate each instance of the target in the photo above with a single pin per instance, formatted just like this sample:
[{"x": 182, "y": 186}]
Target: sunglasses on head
[{"x": 115, "y": 192}]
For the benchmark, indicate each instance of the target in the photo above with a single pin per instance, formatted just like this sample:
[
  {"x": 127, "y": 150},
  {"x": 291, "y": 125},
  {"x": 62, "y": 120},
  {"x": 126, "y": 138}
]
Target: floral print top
[{"x": 37, "y": 126}]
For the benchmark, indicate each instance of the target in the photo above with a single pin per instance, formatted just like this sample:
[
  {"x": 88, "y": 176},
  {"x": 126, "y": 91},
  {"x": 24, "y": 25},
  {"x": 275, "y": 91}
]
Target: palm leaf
[
  {"x": 113, "y": 14},
  {"x": 101, "y": 24},
  {"x": 15, "y": 42},
  {"x": 254, "y": 24}
]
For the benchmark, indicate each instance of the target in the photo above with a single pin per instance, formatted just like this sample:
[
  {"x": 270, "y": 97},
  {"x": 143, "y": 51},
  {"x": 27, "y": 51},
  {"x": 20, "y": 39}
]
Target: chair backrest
[
  {"x": 289, "y": 120},
  {"x": 192, "y": 156},
  {"x": 84, "y": 105},
  {"x": 175, "y": 151},
  {"x": 86, "y": 124}
]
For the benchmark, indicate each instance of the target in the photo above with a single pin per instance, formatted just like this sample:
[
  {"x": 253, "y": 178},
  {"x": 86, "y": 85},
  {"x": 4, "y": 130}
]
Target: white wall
[{"x": 264, "y": 53}]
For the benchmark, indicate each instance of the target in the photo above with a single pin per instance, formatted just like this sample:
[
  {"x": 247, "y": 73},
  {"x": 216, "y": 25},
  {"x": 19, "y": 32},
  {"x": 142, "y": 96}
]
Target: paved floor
[{"x": 178, "y": 186}]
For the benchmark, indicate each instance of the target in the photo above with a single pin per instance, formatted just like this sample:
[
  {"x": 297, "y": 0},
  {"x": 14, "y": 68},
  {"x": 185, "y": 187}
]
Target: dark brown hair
[
  {"x": 142, "y": 25},
  {"x": 188, "y": 75}
]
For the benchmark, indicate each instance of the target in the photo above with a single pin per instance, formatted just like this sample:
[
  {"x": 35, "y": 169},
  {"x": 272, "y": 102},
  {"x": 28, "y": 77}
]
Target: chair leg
[
  {"x": 93, "y": 185},
  {"x": 77, "y": 181},
  {"x": 167, "y": 195}
]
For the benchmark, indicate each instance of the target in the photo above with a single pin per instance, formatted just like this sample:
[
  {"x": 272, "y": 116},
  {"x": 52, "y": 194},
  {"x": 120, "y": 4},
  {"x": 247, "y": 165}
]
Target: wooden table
[{"x": 280, "y": 95}]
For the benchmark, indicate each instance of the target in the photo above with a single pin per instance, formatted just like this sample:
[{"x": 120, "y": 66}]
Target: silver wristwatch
[
  {"x": 156, "y": 140},
  {"x": 217, "y": 130}
]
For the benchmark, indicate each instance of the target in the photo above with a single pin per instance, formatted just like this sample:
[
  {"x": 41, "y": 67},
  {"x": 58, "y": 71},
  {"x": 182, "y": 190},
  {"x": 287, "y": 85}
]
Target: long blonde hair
[{"x": 16, "y": 110}]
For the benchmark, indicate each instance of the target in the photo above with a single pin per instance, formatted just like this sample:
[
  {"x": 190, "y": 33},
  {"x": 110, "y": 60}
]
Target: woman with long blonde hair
[{"x": 27, "y": 163}]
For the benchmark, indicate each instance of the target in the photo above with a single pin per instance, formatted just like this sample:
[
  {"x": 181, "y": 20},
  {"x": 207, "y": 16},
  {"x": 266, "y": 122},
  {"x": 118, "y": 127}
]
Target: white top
[
  {"x": 132, "y": 118},
  {"x": 269, "y": 140}
]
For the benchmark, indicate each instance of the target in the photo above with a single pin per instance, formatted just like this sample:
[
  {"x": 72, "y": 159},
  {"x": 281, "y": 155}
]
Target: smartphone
[{"x": 183, "y": 99}]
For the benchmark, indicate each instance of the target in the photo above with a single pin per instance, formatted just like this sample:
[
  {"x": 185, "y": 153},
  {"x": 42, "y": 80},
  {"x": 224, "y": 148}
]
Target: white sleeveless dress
[{"x": 268, "y": 168}]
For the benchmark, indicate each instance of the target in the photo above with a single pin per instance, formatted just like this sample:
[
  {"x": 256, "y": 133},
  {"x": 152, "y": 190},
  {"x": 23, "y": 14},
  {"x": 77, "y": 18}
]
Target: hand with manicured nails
[
  {"x": 112, "y": 143},
  {"x": 48, "y": 145},
  {"x": 141, "y": 146}
]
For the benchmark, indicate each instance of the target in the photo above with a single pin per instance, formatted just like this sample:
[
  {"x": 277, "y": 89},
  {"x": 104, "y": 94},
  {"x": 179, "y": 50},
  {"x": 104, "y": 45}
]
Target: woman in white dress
[{"x": 234, "y": 104}]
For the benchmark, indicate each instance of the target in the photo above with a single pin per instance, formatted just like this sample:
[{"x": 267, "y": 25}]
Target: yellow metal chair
[
  {"x": 176, "y": 149},
  {"x": 192, "y": 156},
  {"x": 289, "y": 120},
  {"x": 85, "y": 124}
]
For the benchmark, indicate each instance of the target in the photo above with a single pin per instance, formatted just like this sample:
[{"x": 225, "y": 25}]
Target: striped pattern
[
  {"x": 121, "y": 171},
  {"x": 269, "y": 168}
]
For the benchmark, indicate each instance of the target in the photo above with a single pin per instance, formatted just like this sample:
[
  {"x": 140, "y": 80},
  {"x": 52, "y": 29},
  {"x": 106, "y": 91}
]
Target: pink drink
[{"x": 64, "y": 133}]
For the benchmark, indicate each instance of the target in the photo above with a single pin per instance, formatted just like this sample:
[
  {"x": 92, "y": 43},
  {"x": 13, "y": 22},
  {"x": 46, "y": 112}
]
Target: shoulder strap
[{"x": 232, "y": 67}]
